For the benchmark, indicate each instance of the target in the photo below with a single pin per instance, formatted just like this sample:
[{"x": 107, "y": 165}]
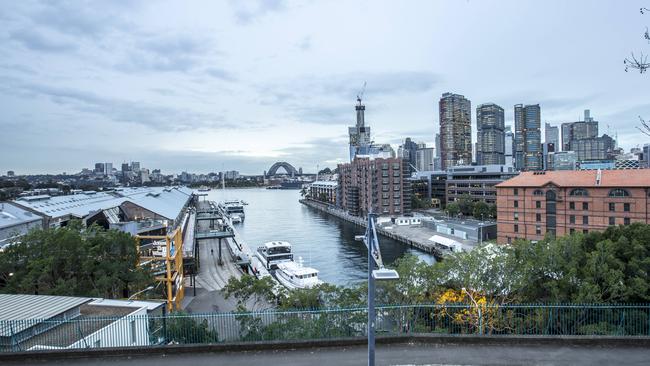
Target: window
[
  {"x": 516, "y": 216},
  {"x": 538, "y": 192},
  {"x": 618, "y": 192},
  {"x": 612, "y": 206},
  {"x": 572, "y": 230},
  {"x": 626, "y": 207},
  {"x": 516, "y": 228},
  {"x": 538, "y": 230},
  {"x": 612, "y": 220},
  {"x": 585, "y": 231},
  {"x": 516, "y": 191},
  {"x": 572, "y": 205},
  {"x": 516, "y": 204},
  {"x": 585, "y": 220},
  {"x": 585, "y": 205},
  {"x": 538, "y": 217},
  {"x": 509, "y": 240},
  {"x": 572, "y": 219},
  {"x": 626, "y": 221},
  {"x": 579, "y": 192},
  {"x": 538, "y": 204}
]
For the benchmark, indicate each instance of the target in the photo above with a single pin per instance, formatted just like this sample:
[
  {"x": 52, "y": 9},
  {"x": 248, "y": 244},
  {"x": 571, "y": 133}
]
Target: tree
[
  {"x": 453, "y": 209},
  {"x": 73, "y": 261},
  {"x": 182, "y": 328},
  {"x": 481, "y": 210},
  {"x": 466, "y": 205},
  {"x": 251, "y": 291},
  {"x": 639, "y": 62}
]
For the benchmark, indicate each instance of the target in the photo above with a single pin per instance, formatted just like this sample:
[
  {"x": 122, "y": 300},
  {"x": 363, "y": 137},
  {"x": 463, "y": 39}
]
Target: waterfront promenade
[{"x": 417, "y": 237}]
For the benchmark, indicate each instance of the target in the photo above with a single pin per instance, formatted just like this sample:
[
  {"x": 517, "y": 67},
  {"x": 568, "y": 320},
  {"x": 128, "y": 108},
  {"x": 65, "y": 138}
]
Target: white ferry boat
[
  {"x": 293, "y": 275},
  {"x": 234, "y": 209},
  {"x": 272, "y": 253}
]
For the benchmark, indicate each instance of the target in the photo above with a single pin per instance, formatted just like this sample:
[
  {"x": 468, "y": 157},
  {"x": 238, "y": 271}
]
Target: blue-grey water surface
[{"x": 324, "y": 242}]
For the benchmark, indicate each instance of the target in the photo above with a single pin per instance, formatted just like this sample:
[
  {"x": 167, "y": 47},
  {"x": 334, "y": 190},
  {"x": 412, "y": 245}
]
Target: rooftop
[
  {"x": 581, "y": 178},
  {"x": 11, "y": 215},
  {"x": 165, "y": 201}
]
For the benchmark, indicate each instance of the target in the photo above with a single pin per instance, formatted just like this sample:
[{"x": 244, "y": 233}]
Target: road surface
[{"x": 398, "y": 354}]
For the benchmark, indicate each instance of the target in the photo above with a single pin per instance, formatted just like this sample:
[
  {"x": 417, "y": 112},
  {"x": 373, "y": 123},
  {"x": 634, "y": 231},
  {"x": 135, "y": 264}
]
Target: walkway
[{"x": 397, "y": 354}]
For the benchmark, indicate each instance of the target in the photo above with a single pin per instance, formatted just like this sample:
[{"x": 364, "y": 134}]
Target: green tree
[
  {"x": 453, "y": 209},
  {"x": 182, "y": 328},
  {"x": 466, "y": 205},
  {"x": 481, "y": 210},
  {"x": 250, "y": 292},
  {"x": 73, "y": 261}
]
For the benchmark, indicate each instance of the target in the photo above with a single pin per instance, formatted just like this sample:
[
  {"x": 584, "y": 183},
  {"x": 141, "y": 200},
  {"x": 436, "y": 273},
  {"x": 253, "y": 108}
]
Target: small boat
[
  {"x": 204, "y": 189},
  {"x": 273, "y": 253},
  {"x": 235, "y": 219},
  {"x": 294, "y": 275},
  {"x": 233, "y": 208}
]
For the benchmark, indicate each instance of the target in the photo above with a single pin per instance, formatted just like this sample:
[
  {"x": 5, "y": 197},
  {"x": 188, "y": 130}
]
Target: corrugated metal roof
[
  {"x": 165, "y": 201},
  {"x": 17, "y": 307},
  {"x": 11, "y": 215}
]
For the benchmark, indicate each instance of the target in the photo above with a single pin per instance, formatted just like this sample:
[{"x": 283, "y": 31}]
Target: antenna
[{"x": 361, "y": 92}]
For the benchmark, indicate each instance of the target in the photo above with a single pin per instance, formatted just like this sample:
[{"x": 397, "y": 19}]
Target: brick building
[
  {"x": 562, "y": 202},
  {"x": 381, "y": 181}
]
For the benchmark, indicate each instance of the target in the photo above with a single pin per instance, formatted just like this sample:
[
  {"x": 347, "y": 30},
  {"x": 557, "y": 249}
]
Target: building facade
[
  {"x": 476, "y": 181},
  {"x": 424, "y": 159},
  {"x": 509, "y": 147},
  {"x": 324, "y": 191},
  {"x": 379, "y": 184},
  {"x": 490, "y": 147},
  {"x": 586, "y": 129},
  {"x": 552, "y": 135},
  {"x": 528, "y": 138},
  {"x": 561, "y": 160},
  {"x": 558, "y": 203},
  {"x": 593, "y": 148},
  {"x": 455, "y": 130}
]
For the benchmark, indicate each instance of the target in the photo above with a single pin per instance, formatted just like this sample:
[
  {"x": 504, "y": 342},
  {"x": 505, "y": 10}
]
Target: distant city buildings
[
  {"x": 561, "y": 160},
  {"x": 509, "y": 147},
  {"x": 579, "y": 130},
  {"x": 490, "y": 134},
  {"x": 476, "y": 182},
  {"x": 455, "y": 130},
  {"x": 557, "y": 203},
  {"x": 552, "y": 136},
  {"x": 528, "y": 138},
  {"x": 408, "y": 151}
]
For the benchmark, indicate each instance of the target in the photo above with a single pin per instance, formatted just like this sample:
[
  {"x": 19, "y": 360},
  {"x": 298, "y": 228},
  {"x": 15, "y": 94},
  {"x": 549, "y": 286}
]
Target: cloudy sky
[{"x": 206, "y": 86}]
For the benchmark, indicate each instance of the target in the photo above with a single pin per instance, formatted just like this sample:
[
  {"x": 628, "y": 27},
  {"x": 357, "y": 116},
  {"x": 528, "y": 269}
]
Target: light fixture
[{"x": 384, "y": 274}]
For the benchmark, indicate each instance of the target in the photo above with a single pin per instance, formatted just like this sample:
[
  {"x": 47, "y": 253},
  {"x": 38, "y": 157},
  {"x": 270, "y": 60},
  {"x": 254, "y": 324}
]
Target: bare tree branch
[
  {"x": 645, "y": 126},
  {"x": 639, "y": 63}
]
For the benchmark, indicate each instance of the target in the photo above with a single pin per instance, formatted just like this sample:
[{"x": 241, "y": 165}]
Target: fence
[{"x": 488, "y": 320}]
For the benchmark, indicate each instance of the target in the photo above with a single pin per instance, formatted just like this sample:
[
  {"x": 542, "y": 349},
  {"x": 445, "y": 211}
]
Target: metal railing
[{"x": 620, "y": 320}]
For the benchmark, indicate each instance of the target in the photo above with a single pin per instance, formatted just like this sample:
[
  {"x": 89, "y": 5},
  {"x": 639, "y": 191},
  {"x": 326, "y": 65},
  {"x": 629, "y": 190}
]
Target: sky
[{"x": 205, "y": 86}]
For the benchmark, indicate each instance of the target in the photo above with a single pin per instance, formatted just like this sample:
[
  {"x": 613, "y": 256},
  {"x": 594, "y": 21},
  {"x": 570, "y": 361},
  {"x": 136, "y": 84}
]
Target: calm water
[{"x": 324, "y": 242}]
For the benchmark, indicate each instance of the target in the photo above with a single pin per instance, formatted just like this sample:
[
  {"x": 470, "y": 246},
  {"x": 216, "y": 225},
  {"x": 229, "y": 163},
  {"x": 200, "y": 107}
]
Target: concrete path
[{"x": 399, "y": 354}]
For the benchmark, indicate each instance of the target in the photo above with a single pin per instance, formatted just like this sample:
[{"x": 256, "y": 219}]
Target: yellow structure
[{"x": 166, "y": 254}]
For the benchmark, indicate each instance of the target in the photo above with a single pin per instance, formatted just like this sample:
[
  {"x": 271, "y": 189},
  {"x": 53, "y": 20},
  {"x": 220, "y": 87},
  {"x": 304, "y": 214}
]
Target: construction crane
[{"x": 360, "y": 93}]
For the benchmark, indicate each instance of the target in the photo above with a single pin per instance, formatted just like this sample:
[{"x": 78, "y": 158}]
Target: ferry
[
  {"x": 234, "y": 209},
  {"x": 273, "y": 253},
  {"x": 293, "y": 275}
]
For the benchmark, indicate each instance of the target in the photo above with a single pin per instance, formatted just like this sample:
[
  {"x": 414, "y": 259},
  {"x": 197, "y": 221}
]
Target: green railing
[{"x": 507, "y": 320}]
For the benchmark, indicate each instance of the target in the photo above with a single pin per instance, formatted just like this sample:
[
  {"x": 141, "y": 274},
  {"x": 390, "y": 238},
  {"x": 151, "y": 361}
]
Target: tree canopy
[{"x": 73, "y": 261}]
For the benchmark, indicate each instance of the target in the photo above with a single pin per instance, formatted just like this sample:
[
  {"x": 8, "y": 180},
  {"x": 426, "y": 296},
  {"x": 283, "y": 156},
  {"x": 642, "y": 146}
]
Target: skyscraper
[
  {"x": 552, "y": 135},
  {"x": 359, "y": 134},
  {"x": 408, "y": 152},
  {"x": 455, "y": 130},
  {"x": 528, "y": 137},
  {"x": 490, "y": 147},
  {"x": 509, "y": 147},
  {"x": 424, "y": 159},
  {"x": 586, "y": 129}
]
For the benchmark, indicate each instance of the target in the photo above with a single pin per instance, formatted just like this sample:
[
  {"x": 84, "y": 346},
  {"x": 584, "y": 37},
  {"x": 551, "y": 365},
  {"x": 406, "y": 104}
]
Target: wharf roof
[
  {"x": 165, "y": 201},
  {"x": 12, "y": 215},
  {"x": 581, "y": 178}
]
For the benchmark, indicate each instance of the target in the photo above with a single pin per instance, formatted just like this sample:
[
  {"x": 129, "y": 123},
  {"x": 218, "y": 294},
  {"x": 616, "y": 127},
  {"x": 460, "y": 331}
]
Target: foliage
[
  {"x": 183, "y": 329},
  {"x": 468, "y": 207},
  {"x": 248, "y": 290},
  {"x": 73, "y": 261},
  {"x": 417, "y": 202}
]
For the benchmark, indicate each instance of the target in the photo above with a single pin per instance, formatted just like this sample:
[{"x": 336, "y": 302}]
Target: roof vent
[{"x": 599, "y": 174}]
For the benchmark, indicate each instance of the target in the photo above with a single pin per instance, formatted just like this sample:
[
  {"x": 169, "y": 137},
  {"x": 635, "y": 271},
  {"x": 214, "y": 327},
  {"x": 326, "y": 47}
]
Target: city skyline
[{"x": 229, "y": 86}]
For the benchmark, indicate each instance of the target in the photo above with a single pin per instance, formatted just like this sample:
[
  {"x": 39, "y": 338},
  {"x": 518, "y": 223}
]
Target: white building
[
  {"x": 41, "y": 322},
  {"x": 424, "y": 159}
]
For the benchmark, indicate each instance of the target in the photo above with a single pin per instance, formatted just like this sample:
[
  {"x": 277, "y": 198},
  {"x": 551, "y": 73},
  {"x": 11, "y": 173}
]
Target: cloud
[
  {"x": 220, "y": 74},
  {"x": 164, "y": 53},
  {"x": 304, "y": 44},
  {"x": 39, "y": 41},
  {"x": 119, "y": 110},
  {"x": 247, "y": 12}
]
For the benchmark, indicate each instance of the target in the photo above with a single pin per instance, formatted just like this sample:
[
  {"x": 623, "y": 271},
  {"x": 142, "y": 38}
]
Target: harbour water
[{"x": 324, "y": 242}]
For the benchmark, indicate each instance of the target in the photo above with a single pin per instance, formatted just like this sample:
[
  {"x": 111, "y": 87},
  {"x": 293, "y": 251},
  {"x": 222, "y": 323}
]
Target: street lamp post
[{"x": 374, "y": 258}]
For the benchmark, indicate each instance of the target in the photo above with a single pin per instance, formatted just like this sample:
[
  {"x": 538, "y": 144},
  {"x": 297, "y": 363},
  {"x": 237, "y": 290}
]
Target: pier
[{"x": 415, "y": 238}]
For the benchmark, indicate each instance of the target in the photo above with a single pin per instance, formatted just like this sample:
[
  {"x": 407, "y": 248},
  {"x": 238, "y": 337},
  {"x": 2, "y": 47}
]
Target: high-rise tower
[
  {"x": 490, "y": 147},
  {"x": 528, "y": 137},
  {"x": 359, "y": 134},
  {"x": 455, "y": 130}
]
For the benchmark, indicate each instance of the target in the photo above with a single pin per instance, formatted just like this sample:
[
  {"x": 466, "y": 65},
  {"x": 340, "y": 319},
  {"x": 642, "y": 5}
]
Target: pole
[{"x": 371, "y": 296}]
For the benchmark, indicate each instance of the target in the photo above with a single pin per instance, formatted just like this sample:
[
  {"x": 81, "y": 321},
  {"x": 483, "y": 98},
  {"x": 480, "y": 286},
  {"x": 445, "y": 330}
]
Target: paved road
[{"x": 408, "y": 354}]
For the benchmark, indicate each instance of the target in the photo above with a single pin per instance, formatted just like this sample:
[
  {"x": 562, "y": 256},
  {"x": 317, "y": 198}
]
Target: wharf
[{"x": 417, "y": 237}]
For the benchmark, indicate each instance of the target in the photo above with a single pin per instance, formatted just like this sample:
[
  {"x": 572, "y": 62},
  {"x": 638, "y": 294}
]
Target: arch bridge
[{"x": 281, "y": 164}]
